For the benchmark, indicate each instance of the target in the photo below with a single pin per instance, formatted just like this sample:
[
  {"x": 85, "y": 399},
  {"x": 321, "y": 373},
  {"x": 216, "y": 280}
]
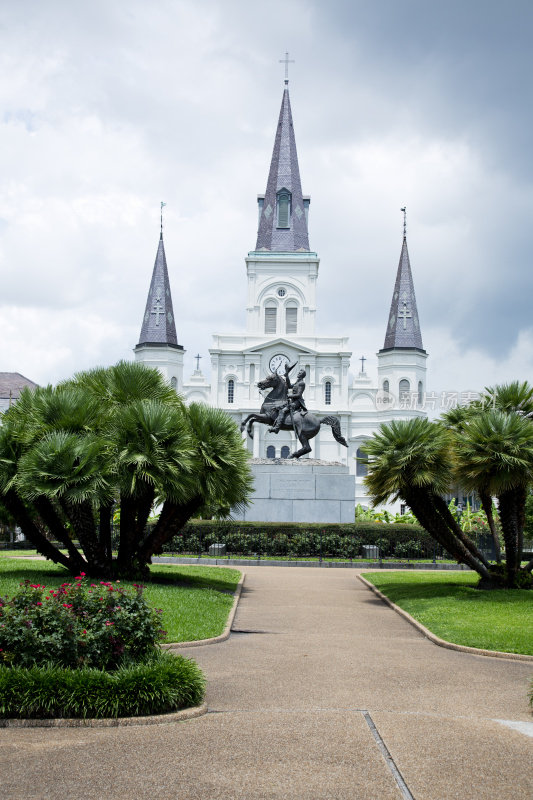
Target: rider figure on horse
[{"x": 295, "y": 401}]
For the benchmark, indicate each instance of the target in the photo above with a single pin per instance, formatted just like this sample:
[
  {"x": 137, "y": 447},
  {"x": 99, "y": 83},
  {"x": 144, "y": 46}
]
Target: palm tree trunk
[
  {"x": 486, "y": 505},
  {"x": 507, "y": 502},
  {"x": 55, "y": 525},
  {"x": 127, "y": 532},
  {"x": 172, "y": 519},
  {"x": 144, "y": 506},
  {"x": 425, "y": 506},
  {"x": 457, "y": 531},
  {"x": 81, "y": 516},
  {"x": 18, "y": 510},
  {"x": 521, "y": 514},
  {"x": 104, "y": 533}
]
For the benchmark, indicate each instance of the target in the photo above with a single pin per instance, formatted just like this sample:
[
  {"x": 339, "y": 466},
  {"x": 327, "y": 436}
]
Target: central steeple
[{"x": 283, "y": 208}]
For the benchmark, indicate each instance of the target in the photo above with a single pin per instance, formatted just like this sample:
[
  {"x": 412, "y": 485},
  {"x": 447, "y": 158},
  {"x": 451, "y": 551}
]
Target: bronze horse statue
[{"x": 305, "y": 427}]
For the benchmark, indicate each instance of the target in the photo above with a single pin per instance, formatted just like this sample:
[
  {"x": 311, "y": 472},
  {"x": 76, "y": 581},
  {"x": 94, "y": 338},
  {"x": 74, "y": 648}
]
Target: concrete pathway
[{"x": 322, "y": 691}]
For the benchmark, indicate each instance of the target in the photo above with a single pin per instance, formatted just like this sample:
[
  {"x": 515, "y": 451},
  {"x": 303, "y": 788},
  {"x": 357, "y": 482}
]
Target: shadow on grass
[
  {"x": 13, "y": 573},
  {"x": 398, "y": 591}
]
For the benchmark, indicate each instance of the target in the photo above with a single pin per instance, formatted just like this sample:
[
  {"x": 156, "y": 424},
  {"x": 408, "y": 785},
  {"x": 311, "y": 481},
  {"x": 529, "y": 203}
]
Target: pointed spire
[
  {"x": 158, "y": 325},
  {"x": 403, "y": 329},
  {"x": 283, "y": 229}
]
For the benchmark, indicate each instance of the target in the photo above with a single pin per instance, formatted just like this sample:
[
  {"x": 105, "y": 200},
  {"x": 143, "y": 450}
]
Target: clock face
[{"x": 277, "y": 363}]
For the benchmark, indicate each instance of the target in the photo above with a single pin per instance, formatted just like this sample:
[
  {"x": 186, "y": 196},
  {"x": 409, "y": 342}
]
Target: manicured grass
[
  {"x": 195, "y": 600},
  {"x": 452, "y": 608}
]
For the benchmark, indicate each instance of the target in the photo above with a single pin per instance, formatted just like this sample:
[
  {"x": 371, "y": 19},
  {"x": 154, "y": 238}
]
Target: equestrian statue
[{"x": 284, "y": 409}]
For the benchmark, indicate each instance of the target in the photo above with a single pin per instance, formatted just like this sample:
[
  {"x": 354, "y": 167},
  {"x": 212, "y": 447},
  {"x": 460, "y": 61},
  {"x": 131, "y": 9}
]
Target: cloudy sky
[{"x": 108, "y": 107}]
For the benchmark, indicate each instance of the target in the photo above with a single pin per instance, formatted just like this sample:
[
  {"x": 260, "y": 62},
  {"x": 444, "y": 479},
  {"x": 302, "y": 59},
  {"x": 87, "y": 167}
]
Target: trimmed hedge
[
  {"x": 304, "y": 539},
  {"x": 161, "y": 684}
]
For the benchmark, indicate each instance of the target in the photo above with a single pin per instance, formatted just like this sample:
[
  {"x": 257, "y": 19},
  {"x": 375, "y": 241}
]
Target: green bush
[
  {"x": 77, "y": 625},
  {"x": 162, "y": 683},
  {"x": 300, "y": 540}
]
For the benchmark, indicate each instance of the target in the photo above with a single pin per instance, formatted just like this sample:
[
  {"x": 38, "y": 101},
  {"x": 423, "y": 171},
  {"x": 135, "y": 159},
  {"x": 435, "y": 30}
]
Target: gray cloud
[{"x": 108, "y": 108}]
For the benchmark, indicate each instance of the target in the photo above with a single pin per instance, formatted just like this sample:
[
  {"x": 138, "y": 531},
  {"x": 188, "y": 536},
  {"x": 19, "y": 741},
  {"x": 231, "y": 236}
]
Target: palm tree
[
  {"x": 456, "y": 420},
  {"x": 495, "y": 452},
  {"x": 220, "y": 475},
  {"x": 413, "y": 460},
  {"x": 119, "y": 434}
]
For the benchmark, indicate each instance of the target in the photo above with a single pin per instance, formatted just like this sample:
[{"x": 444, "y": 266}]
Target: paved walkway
[{"x": 318, "y": 677}]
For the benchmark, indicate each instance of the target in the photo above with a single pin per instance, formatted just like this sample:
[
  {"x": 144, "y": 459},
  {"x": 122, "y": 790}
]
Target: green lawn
[
  {"x": 452, "y": 608},
  {"x": 195, "y": 600}
]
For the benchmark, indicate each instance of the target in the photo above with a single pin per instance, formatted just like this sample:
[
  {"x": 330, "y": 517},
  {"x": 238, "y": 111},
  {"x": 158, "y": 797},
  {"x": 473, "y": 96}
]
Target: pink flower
[
  {"x": 38, "y": 604},
  {"x": 110, "y": 623}
]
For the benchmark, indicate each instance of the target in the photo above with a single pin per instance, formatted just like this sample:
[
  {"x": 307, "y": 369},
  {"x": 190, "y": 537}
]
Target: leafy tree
[
  {"x": 70, "y": 454},
  {"x": 412, "y": 460},
  {"x": 488, "y": 448}
]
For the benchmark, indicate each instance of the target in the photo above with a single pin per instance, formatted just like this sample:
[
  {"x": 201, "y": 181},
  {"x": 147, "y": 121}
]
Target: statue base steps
[{"x": 308, "y": 490}]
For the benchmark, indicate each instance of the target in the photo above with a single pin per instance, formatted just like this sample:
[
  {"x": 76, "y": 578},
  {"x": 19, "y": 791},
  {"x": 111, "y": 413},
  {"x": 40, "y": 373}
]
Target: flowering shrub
[{"x": 77, "y": 625}]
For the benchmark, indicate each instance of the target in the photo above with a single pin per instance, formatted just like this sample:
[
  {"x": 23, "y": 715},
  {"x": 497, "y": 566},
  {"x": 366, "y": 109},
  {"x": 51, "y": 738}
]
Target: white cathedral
[{"x": 282, "y": 274}]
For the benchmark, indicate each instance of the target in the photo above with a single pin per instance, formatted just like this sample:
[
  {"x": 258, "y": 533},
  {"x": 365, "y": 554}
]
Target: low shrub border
[
  {"x": 161, "y": 684},
  {"x": 301, "y": 540}
]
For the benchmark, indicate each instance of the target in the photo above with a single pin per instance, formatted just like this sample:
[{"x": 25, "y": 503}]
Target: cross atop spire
[
  {"x": 283, "y": 217},
  {"x": 404, "y": 209},
  {"x": 403, "y": 329},
  {"x": 286, "y": 61}
]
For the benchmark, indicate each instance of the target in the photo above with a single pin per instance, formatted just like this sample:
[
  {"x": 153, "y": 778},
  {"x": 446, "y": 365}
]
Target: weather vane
[
  {"x": 404, "y": 209},
  {"x": 286, "y": 61},
  {"x": 162, "y": 207}
]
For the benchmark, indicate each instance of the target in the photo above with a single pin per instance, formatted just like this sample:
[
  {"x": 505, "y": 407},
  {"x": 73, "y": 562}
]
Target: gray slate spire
[
  {"x": 403, "y": 329},
  {"x": 284, "y": 174},
  {"x": 158, "y": 326}
]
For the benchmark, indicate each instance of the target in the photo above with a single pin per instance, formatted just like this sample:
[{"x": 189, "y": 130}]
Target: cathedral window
[
  {"x": 271, "y": 451},
  {"x": 284, "y": 208},
  {"x": 361, "y": 468},
  {"x": 386, "y": 387},
  {"x": 270, "y": 319},
  {"x": 327, "y": 393},
  {"x": 174, "y": 383},
  {"x": 420, "y": 393},
  {"x": 404, "y": 390},
  {"x": 231, "y": 390},
  {"x": 285, "y": 451},
  {"x": 291, "y": 319}
]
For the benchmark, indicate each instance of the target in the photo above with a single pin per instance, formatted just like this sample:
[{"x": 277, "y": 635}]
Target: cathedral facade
[{"x": 281, "y": 275}]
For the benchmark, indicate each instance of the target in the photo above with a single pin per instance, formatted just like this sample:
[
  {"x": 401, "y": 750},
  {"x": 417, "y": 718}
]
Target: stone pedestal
[{"x": 300, "y": 491}]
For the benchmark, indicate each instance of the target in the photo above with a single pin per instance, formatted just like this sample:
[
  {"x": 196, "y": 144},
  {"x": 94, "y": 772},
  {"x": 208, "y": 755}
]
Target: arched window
[
  {"x": 285, "y": 451},
  {"x": 291, "y": 319},
  {"x": 386, "y": 386},
  {"x": 270, "y": 318},
  {"x": 252, "y": 373},
  {"x": 327, "y": 393},
  {"x": 231, "y": 390},
  {"x": 420, "y": 393},
  {"x": 174, "y": 383},
  {"x": 284, "y": 208},
  {"x": 361, "y": 468},
  {"x": 404, "y": 390},
  {"x": 271, "y": 451}
]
